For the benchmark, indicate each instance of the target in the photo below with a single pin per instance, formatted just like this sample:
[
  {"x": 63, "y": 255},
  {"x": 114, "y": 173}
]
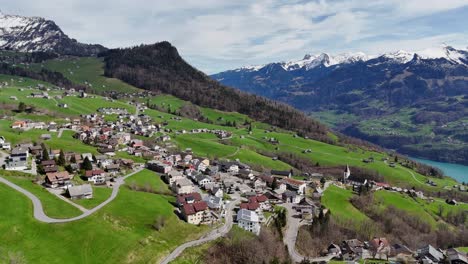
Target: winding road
[
  {"x": 209, "y": 237},
  {"x": 39, "y": 213}
]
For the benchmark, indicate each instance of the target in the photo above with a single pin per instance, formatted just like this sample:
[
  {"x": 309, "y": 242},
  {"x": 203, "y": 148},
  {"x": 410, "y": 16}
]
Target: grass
[
  {"x": 150, "y": 178},
  {"x": 120, "y": 232},
  {"x": 89, "y": 69},
  {"x": 337, "y": 201},
  {"x": 53, "y": 206},
  {"x": 405, "y": 203},
  {"x": 100, "y": 194}
]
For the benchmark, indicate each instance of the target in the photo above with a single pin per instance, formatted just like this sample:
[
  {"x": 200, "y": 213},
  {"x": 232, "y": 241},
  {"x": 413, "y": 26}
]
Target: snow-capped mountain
[
  {"x": 310, "y": 62},
  {"x": 293, "y": 81},
  {"x": 33, "y": 34}
]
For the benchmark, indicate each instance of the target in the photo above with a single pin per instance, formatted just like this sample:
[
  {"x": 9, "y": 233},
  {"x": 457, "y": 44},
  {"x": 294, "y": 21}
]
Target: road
[
  {"x": 39, "y": 210},
  {"x": 292, "y": 227},
  {"x": 210, "y": 236}
]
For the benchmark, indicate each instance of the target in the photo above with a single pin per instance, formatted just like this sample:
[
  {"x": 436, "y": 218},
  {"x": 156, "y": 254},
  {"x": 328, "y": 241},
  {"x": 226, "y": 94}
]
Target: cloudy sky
[{"x": 216, "y": 35}]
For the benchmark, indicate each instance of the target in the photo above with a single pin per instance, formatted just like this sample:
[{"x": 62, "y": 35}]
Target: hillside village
[{"x": 207, "y": 190}]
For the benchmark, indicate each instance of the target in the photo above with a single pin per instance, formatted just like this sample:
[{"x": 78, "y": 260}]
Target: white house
[{"x": 248, "y": 220}]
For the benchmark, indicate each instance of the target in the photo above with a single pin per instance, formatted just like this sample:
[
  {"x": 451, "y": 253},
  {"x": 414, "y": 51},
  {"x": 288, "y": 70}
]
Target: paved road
[
  {"x": 210, "y": 236},
  {"x": 39, "y": 210}
]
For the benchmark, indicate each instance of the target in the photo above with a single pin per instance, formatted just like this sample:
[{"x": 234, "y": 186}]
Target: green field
[
  {"x": 337, "y": 201},
  {"x": 53, "y": 206},
  {"x": 120, "y": 232},
  {"x": 81, "y": 70}
]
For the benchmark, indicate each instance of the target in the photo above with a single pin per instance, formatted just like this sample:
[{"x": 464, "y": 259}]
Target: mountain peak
[{"x": 33, "y": 34}]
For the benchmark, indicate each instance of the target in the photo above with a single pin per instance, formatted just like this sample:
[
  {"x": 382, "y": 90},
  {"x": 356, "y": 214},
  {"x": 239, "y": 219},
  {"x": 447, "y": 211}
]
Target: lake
[{"x": 456, "y": 171}]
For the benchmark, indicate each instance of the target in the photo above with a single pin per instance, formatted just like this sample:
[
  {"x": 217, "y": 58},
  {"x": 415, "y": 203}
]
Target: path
[
  {"x": 209, "y": 237},
  {"x": 39, "y": 213},
  {"x": 233, "y": 154},
  {"x": 61, "y": 197}
]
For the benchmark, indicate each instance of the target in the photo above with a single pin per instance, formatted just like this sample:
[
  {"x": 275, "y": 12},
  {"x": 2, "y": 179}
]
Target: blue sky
[{"x": 216, "y": 35}]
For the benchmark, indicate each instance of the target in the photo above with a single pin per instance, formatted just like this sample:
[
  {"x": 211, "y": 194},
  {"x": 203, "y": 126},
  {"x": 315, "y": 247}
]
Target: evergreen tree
[
  {"x": 73, "y": 159},
  {"x": 61, "y": 158},
  {"x": 21, "y": 107},
  {"x": 45, "y": 154},
  {"x": 87, "y": 165}
]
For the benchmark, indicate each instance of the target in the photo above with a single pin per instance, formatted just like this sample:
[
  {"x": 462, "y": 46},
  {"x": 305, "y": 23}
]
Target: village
[{"x": 207, "y": 191}]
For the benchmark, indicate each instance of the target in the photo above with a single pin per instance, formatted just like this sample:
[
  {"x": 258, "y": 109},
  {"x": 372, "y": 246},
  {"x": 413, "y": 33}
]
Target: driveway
[{"x": 39, "y": 214}]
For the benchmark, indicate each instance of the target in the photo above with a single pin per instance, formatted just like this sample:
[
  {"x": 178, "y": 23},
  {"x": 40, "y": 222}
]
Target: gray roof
[
  {"x": 80, "y": 190},
  {"x": 247, "y": 215}
]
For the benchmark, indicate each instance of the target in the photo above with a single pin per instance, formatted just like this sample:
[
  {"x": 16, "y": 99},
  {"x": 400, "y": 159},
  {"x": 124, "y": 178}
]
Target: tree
[
  {"x": 396, "y": 159},
  {"x": 73, "y": 159},
  {"x": 87, "y": 165},
  {"x": 274, "y": 184},
  {"x": 322, "y": 181},
  {"x": 21, "y": 107},
  {"x": 45, "y": 154},
  {"x": 61, "y": 158}
]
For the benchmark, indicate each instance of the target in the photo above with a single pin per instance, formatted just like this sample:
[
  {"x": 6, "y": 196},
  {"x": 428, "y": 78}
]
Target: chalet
[
  {"x": 113, "y": 168},
  {"x": 203, "y": 180},
  {"x": 58, "y": 179},
  {"x": 248, "y": 220},
  {"x": 356, "y": 180},
  {"x": 196, "y": 213},
  {"x": 95, "y": 176},
  {"x": 252, "y": 206},
  {"x": 80, "y": 191},
  {"x": 36, "y": 151}
]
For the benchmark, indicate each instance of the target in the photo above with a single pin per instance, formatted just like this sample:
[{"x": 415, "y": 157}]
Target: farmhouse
[
  {"x": 58, "y": 179},
  {"x": 95, "y": 176}
]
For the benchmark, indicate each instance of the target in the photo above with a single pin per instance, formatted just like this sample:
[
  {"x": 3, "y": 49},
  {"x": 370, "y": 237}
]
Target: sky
[{"x": 216, "y": 35}]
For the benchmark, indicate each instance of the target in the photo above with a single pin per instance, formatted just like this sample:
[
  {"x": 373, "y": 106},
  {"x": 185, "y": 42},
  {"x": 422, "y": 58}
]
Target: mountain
[
  {"x": 35, "y": 34},
  {"x": 412, "y": 102},
  {"x": 159, "y": 67}
]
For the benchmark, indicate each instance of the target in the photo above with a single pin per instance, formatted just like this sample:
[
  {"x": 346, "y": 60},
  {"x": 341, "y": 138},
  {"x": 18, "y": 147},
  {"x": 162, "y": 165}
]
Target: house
[
  {"x": 334, "y": 249},
  {"x": 429, "y": 254},
  {"x": 58, "y": 179},
  {"x": 46, "y": 136},
  {"x": 214, "y": 203},
  {"x": 259, "y": 184},
  {"x": 18, "y": 159},
  {"x": 352, "y": 249},
  {"x": 317, "y": 193},
  {"x": 95, "y": 176},
  {"x": 87, "y": 155},
  {"x": 454, "y": 256},
  {"x": 251, "y": 205},
  {"x": 196, "y": 213},
  {"x": 295, "y": 185},
  {"x": 291, "y": 197},
  {"x": 380, "y": 248},
  {"x": 203, "y": 180},
  {"x": 401, "y": 250},
  {"x": 113, "y": 168},
  {"x": 188, "y": 198},
  {"x": 19, "y": 124},
  {"x": 277, "y": 173},
  {"x": 183, "y": 185},
  {"x": 80, "y": 191},
  {"x": 158, "y": 166},
  {"x": 217, "y": 192},
  {"x": 173, "y": 176},
  {"x": 248, "y": 220}
]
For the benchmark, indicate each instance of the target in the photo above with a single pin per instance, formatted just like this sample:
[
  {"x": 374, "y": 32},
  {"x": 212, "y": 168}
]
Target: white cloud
[{"x": 220, "y": 34}]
